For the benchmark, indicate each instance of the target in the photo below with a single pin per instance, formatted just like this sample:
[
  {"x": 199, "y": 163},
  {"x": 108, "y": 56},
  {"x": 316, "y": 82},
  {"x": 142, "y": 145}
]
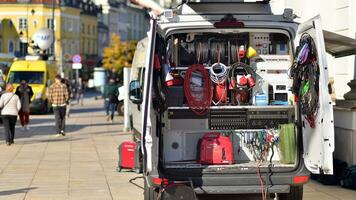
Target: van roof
[
  {"x": 22, "y": 65},
  {"x": 204, "y": 15},
  {"x": 224, "y": 8}
]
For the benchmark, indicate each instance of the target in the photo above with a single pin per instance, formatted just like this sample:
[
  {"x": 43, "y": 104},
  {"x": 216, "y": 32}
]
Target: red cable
[
  {"x": 200, "y": 107},
  {"x": 261, "y": 181}
]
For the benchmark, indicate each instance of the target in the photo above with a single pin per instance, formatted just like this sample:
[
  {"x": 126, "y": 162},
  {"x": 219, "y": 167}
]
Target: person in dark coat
[
  {"x": 80, "y": 89},
  {"x": 110, "y": 99},
  {"x": 25, "y": 93}
]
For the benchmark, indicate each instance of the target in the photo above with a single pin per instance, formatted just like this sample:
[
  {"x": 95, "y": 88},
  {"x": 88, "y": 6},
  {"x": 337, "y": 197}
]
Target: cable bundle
[
  {"x": 305, "y": 74},
  {"x": 218, "y": 73},
  {"x": 234, "y": 70},
  {"x": 198, "y": 105}
]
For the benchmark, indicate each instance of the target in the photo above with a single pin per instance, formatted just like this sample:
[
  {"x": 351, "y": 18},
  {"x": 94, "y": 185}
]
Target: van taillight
[
  {"x": 300, "y": 179},
  {"x": 159, "y": 181}
]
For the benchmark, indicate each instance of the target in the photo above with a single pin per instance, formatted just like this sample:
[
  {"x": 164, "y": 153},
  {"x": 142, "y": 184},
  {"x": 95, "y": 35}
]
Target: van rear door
[
  {"x": 147, "y": 129},
  {"x": 318, "y": 142}
]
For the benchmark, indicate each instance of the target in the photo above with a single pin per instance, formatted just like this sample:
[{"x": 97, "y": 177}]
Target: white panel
[
  {"x": 341, "y": 3},
  {"x": 341, "y": 17},
  {"x": 341, "y": 86}
]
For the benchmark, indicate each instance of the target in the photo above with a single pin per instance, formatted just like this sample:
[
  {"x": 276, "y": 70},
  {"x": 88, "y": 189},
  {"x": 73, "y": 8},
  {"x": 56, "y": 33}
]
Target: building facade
[
  {"x": 89, "y": 37},
  {"x": 69, "y": 16},
  {"x": 111, "y": 12},
  {"x": 138, "y": 22},
  {"x": 338, "y": 16},
  {"x": 9, "y": 39}
]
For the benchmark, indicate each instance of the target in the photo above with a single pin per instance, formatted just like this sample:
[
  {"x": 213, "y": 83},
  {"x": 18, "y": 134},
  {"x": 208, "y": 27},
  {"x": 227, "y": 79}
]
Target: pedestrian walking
[
  {"x": 25, "y": 93},
  {"x": 80, "y": 89},
  {"x": 10, "y": 105},
  {"x": 110, "y": 99},
  {"x": 70, "y": 95},
  {"x": 58, "y": 96}
]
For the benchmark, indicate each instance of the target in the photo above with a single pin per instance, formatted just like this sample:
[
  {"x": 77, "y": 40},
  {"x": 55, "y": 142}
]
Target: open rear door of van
[
  {"x": 318, "y": 142},
  {"x": 146, "y": 137}
]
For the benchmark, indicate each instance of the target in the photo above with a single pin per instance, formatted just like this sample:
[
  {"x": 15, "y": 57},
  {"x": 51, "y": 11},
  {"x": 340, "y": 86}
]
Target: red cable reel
[{"x": 197, "y": 77}]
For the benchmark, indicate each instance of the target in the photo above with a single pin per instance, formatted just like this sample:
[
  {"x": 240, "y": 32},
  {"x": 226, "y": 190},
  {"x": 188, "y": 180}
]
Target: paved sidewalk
[{"x": 82, "y": 165}]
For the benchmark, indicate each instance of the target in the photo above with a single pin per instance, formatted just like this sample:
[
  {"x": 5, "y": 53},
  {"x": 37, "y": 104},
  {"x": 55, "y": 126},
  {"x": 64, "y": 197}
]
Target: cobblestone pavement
[{"x": 82, "y": 165}]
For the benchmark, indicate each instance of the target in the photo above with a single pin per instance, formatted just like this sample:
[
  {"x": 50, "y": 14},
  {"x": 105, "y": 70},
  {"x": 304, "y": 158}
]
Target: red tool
[{"x": 216, "y": 149}]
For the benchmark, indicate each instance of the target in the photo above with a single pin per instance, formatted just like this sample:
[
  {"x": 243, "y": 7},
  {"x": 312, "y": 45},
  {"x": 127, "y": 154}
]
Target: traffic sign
[
  {"x": 77, "y": 66},
  {"x": 77, "y": 58}
]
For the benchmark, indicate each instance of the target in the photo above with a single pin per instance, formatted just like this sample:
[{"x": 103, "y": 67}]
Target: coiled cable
[
  {"x": 218, "y": 73},
  {"x": 199, "y": 106}
]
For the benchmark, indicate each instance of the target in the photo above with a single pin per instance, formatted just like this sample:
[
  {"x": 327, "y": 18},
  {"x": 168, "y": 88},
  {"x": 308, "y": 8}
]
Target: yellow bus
[{"x": 39, "y": 74}]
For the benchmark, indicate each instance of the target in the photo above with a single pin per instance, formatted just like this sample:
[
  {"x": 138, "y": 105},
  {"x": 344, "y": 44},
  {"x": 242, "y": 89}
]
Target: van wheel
[
  {"x": 296, "y": 193},
  {"x": 149, "y": 193},
  {"x": 120, "y": 108}
]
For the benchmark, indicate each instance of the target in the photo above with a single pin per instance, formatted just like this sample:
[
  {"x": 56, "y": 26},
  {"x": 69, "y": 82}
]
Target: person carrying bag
[{"x": 10, "y": 105}]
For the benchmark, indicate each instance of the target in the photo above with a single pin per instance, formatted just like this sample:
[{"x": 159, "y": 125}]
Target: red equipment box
[
  {"x": 129, "y": 156},
  {"x": 216, "y": 149}
]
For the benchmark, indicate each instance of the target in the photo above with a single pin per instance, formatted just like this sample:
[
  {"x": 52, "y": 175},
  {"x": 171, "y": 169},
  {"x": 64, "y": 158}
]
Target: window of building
[
  {"x": 22, "y": 23},
  {"x": 70, "y": 25},
  {"x": 64, "y": 25},
  {"x": 94, "y": 49},
  {"x": 11, "y": 46},
  {"x": 77, "y": 26},
  {"x": 88, "y": 29},
  {"x": 51, "y": 24},
  {"x": 0, "y": 45},
  {"x": 83, "y": 28},
  {"x": 70, "y": 50},
  {"x": 51, "y": 50},
  {"x": 94, "y": 30},
  {"x": 82, "y": 48},
  {"x": 89, "y": 47}
]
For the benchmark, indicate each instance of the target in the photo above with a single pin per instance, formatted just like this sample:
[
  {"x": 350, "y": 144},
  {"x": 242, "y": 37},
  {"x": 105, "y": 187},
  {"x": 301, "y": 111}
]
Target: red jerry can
[{"x": 216, "y": 149}]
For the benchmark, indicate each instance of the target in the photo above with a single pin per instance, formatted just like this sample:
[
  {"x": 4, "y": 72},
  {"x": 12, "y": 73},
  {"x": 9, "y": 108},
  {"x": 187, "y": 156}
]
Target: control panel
[{"x": 260, "y": 42}]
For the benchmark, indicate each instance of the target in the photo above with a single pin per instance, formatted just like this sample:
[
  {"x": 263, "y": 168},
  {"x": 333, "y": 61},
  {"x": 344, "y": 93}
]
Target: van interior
[{"x": 251, "y": 102}]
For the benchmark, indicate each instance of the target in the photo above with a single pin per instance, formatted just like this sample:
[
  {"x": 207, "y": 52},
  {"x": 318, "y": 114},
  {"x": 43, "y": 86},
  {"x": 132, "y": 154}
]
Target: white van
[{"x": 264, "y": 89}]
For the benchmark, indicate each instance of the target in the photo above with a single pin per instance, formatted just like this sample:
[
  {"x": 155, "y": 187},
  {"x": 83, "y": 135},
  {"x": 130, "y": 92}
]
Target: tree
[{"x": 119, "y": 54}]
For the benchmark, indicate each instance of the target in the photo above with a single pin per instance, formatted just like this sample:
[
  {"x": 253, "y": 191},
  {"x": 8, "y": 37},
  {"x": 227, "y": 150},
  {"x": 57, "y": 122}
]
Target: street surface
[{"x": 82, "y": 165}]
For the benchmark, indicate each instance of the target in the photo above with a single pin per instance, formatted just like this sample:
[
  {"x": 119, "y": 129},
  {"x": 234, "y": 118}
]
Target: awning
[{"x": 339, "y": 45}]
